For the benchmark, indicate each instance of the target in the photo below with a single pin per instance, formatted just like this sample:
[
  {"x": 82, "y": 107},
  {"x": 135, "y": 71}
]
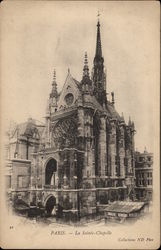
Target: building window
[
  {"x": 8, "y": 181},
  {"x": 125, "y": 161},
  {"x": 53, "y": 179},
  {"x": 141, "y": 178},
  {"x": 149, "y": 178},
  {"x": 22, "y": 181},
  {"x": 117, "y": 163},
  {"x": 141, "y": 158},
  {"x": 115, "y": 160},
  {"x": 16, "y": 155}
]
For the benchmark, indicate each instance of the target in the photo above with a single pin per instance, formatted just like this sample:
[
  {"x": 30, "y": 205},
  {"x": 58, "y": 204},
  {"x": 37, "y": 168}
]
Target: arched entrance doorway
[
  {"x": 51, "y": 205},
  {"x": 50, "y": 170}
]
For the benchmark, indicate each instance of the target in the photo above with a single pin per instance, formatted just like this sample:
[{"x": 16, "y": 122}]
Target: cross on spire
[{"x": 98, "y": 15}]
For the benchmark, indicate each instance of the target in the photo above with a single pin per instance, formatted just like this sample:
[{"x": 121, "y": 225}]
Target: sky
[{"x": 40, "y": 36}]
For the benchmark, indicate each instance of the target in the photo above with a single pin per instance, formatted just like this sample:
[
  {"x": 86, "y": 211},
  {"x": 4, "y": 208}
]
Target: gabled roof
[
  {"x": 77, "y": 83},
  {"x": 29, "y": 128},
  {"x": 70, "y": 86},
  {"x": 41, "y": 130}
]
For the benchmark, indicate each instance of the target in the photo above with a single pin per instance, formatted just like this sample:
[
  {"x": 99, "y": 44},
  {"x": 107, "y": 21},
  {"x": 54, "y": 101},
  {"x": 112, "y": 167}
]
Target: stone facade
[
  {"x": 144, "y": 175},
  {"x": 83, "y": 158}
]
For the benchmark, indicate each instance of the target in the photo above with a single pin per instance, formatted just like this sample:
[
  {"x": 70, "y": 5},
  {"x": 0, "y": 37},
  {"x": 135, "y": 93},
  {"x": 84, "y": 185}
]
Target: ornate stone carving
[
  {"x": 69, "y": 98},
  {"x": 64, "y": 132}
]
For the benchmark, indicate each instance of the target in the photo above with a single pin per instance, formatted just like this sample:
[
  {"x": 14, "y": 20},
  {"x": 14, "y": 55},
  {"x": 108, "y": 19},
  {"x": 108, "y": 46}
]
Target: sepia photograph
[{"x": 80, "y": 105}]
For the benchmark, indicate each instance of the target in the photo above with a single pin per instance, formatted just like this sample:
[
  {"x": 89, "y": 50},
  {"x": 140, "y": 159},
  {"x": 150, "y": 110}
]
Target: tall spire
[
  {"x": 99, "y": 76},
  {"x": 98, "y": 42},
  {"x": 98, "y": 59}
]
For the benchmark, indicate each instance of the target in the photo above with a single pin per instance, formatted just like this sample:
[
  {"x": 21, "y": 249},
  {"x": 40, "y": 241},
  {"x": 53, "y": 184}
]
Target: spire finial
[
  {"x": 85, "y": 58},
  {"x": 129, "y": 121},
  {"x": 98, "y": 15},
  {"x": 113, "y": 99},
  {"x": 54, "y": 86},
  {"x": 145, "y": 149},
  {"x": 54, "y": 75},
  {"x": 133, "y": 125},
  {"x": 122, "y": 116},
  {"x": 98, "y": 43},
  {"x": 85, "y": 69},
  {"x": 86, "y": 81}
]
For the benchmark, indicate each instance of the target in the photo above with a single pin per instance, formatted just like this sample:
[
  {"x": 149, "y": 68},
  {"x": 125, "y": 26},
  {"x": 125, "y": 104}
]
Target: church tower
[
  {"x": 84, "y": 158},
  {"x": 99, "y": 76}
]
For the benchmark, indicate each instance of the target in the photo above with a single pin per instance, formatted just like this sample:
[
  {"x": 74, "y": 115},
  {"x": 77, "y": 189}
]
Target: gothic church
[{"x": 83, "y": 158}]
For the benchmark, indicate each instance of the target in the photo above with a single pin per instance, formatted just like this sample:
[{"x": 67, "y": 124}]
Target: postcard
[{"x": 80, "y": 106}]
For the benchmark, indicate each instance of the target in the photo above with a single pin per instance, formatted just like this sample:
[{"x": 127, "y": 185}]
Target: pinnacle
[
  {"x": 85, "y": 69},
  {"x": 54, "y": 78},
  {"x": 86, "y": 59},
  {"x": 122, "y": 117},
  {"x": 129, "y": 121},
  {"x": 54, "y": 86}
]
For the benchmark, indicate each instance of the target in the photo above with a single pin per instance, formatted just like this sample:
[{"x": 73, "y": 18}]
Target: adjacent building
[{"x": 144, "y": 175}]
